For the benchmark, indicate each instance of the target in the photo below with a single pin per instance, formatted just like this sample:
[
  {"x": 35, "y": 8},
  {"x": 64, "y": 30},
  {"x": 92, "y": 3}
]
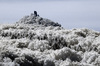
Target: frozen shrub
[
  {"x": 22, "y": 45},
  {"x": 81, "y": 34},
  {"x": 27, "y": 61},
  {"x": 79, "y": 48},
  {"x": 90, "y": 57},
  {"x": 73, "y": 41},
  {"x": 64, "y": 53},
  {"x": 75, "y": 57},
  {"x": 57, "y": 42},
  {"x": 97, "y": 61},
  {"x": 48, "y": 63},
  {"x": 39, "y": 45},
  {"x": 42, "y": 37},
  {"x": 9, "y": 64},
  {"x": 6, "y": 27},
  {"x": 9, "y": 55}
]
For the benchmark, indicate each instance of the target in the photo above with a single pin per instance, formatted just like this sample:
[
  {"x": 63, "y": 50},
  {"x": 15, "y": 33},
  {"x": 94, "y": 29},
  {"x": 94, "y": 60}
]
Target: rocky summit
[
  {"x": 37, "y": 41},
  {"x": 37, "y": 20}
]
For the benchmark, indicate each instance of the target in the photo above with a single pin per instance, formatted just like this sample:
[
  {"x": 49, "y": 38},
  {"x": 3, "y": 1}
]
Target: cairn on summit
[
  {"x": 37, "y": 20},
  {"x": 35, "y": 13}
]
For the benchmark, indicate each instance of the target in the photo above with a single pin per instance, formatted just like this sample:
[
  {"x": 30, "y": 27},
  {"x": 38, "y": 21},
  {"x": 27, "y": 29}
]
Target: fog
[{"x": 69, "y": 13}]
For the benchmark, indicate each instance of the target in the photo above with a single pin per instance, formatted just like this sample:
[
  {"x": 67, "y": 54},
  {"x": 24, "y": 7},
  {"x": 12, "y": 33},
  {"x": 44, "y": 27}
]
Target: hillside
[{"x": 37, "y": 41}]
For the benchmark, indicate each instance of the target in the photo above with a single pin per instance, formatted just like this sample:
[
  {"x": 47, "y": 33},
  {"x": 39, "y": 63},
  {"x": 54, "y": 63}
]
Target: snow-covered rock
[
  {"x": 37, "y": 20},
  {"x": 36, "y": 41}
]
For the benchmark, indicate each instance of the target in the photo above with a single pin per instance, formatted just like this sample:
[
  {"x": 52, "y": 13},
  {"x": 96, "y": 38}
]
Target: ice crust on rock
[{"x": 30, "y": 43}]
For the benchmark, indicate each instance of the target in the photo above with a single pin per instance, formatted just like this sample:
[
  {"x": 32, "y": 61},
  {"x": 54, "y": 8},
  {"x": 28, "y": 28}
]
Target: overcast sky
[{"x": 69, "y": 13}]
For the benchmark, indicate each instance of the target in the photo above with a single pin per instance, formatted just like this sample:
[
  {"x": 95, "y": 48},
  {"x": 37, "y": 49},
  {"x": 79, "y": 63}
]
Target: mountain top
[{"x": 37, "y": 20}]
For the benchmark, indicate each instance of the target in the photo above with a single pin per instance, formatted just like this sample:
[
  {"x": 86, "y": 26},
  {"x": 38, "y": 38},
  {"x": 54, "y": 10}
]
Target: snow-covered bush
[{"x": 37, "y": 41}]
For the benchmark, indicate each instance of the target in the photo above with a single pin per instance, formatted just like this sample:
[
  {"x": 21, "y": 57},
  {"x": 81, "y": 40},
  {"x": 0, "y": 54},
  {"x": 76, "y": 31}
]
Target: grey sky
[{"x": 69, "y": 13}]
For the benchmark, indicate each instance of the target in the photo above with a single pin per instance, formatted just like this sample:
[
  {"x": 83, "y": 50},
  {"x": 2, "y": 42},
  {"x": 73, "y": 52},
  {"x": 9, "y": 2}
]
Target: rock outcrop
[{"x": 37, "y": 20}]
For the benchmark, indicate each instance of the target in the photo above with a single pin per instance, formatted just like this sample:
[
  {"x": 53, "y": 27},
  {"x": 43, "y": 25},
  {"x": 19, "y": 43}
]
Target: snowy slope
[{"x": 37, "y": 41}]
